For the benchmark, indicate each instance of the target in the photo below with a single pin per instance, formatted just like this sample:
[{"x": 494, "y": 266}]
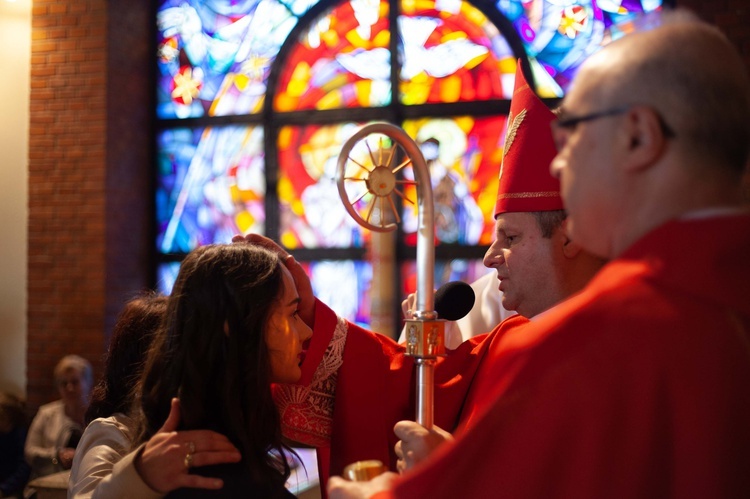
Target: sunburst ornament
[
  {"x": 185, "y": 88},
  {"x": 515, "y": 123}
]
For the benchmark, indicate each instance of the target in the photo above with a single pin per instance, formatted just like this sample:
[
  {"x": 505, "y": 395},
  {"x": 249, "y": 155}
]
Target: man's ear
[
  {"x": 570, "y": 248},
  {"x": 647, "y": 139}
]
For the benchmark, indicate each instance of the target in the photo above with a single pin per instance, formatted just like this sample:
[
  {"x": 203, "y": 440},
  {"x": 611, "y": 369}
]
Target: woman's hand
[
  {"x": 165, "y": 461},
  {"x": 65, "y": 457}
]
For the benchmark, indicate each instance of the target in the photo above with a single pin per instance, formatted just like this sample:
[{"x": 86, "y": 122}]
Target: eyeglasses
[{"x": 569, "y": 124}]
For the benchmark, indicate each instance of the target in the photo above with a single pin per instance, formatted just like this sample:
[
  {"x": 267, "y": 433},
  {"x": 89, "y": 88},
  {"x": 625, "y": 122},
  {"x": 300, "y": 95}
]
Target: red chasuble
[
  {"x": 375, "y": 389},
  {"x": 639, "y": 386}
]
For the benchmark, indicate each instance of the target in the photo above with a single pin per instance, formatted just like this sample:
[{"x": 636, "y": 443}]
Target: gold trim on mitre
[{"x": 515, "y": 195}]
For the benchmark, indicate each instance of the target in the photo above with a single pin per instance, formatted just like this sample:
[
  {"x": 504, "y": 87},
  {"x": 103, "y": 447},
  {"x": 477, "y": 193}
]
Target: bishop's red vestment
[
  {"x": 374, "y": 389},
  {"x": 639, "y": 386}
]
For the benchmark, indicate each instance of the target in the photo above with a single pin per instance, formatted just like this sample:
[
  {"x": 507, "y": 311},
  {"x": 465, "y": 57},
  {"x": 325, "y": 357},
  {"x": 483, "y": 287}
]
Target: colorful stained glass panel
[
  {"x": 344, "y": 286},
  {"x": 452, "y": 53},
  {"x": 312, "y": 213},
  {"x": 166, "y": 275},
  {"x": 464, "y": 156},
  {"x": 210, "y": 186},
  {"x": 446, "y": 271},
  {"x": 560, "y": 34},
  {"x": 341, "y": 61},
  {"x": 214, "y": 56}
]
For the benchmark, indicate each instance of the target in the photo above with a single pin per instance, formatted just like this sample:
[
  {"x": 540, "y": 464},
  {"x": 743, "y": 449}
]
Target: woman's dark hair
[
  {"x": 211, "y": 354},
  {"x": 134, "y": 330},
  {"x": 13, "y": 410}
]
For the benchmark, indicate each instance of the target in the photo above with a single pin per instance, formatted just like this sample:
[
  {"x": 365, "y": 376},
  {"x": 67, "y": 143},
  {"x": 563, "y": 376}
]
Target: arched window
[{"x": 256, "y": 97}]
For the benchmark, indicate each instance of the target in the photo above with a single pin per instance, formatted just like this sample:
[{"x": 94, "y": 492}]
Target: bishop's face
[{"x": 527, "y": 263}]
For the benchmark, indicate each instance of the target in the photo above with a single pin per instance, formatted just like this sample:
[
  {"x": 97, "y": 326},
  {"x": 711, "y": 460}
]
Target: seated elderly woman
[{"x": 58, "y": 426}]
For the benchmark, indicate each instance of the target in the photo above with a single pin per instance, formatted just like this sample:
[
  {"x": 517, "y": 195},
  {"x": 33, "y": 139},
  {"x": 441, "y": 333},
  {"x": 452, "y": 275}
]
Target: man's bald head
[{"x": 693, "y": 76}]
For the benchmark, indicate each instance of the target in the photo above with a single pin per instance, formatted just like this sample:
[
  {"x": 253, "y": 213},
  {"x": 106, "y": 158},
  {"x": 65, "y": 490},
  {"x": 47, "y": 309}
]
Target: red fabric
[
  {"x": 525, "y": 180},
  {"x": 639, "y": 386},
  {"x": 325, "y": 323},
  {"x": 375, "y": 389}
]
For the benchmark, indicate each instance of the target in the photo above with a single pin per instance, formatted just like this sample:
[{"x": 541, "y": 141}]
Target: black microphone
[{"x": 454, "y": 300}]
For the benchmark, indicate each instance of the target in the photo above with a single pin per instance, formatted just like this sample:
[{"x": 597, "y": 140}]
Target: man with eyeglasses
[{"x": 638, "y": 385}]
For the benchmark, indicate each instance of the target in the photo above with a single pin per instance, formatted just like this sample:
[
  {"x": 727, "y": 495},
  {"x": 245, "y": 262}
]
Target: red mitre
[{"x": 525, "y": 181}]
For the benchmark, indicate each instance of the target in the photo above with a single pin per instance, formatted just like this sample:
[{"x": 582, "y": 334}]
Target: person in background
[
  {"x": 638, "y": 385},
  {"x": 232, "y": 328},
  {"x": 58, "y": 426},
  {"x": 14, "y": 470},
  {"x": 109, "y": 434}
]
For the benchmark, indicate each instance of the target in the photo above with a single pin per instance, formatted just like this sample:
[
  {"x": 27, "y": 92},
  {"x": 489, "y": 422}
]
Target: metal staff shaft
[
  {"x": 425, "y": 338},
  {"x": 425, "y": 306}
]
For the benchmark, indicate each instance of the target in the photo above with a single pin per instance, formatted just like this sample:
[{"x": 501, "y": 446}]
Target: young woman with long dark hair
[{"x": 231, "y": 330}]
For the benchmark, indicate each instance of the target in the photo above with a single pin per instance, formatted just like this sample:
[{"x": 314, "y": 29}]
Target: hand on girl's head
[{"x": 300, "y": 277}]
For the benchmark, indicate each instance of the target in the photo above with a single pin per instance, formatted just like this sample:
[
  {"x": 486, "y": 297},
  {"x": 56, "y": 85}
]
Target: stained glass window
[
  {"x": 211, "y": 185},
  {"x": 445, "y": 271},
  {"x": 311, "y": 213},
  {"x": 463, "y": 154},
  {"x": 340, "y": 60},
  {"x": 453, "y": 53},
  {"x": 254, "y": 99}
]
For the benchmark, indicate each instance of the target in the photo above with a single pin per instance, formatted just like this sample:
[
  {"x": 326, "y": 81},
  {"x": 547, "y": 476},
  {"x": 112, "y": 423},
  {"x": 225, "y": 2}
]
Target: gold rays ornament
[{"x": 515, "y": 123}]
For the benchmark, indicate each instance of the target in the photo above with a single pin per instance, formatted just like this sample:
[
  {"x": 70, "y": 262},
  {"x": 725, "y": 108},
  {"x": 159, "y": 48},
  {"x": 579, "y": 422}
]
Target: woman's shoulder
[
  {"x": 55, "y": 405},
  {"x": 237, "y": 483},
  {"x": 51, "y": 409},
  {"x": 118, "y": 428}
]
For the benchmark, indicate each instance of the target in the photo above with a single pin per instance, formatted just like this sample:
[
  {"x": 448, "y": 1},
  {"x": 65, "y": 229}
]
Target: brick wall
[
  {"x": 89, "y": 159},
  {"x": 732, "y": 16},
  {"x": 66, "y": 187},
  {"x": 90, "y": 151}
]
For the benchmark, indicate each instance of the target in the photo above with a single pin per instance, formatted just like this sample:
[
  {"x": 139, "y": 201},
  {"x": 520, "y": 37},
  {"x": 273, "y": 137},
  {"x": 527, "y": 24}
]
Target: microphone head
[{"x": 454, "y": 300}]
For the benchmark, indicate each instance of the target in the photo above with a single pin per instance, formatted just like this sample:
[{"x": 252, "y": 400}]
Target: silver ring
[{"x": 188, "y": 460}]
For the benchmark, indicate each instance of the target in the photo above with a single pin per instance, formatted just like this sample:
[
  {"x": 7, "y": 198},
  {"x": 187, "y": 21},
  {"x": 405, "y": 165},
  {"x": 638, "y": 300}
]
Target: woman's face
[
  {"x": 285, "y": 334},
  {"x": 73, "y": 387}
]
